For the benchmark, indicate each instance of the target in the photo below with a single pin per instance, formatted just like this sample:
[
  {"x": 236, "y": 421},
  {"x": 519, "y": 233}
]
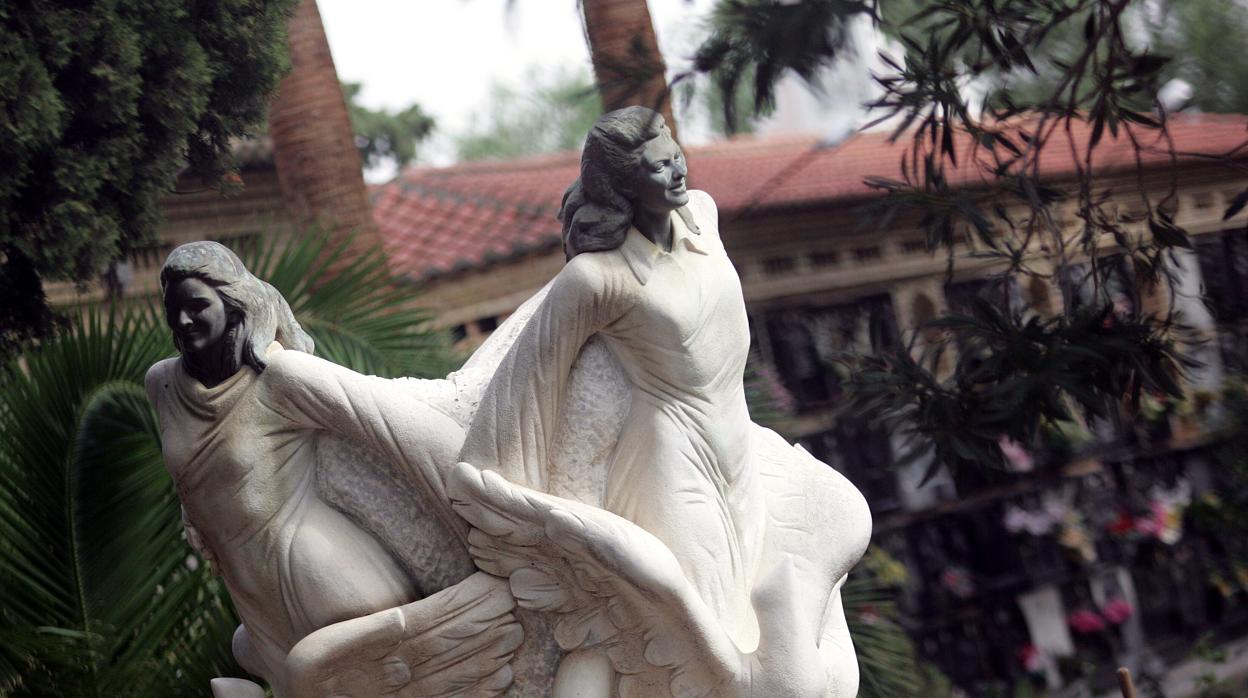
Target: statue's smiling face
[
  {"x": 660, "y": 185},
  {"x": 196, "y": 314}
]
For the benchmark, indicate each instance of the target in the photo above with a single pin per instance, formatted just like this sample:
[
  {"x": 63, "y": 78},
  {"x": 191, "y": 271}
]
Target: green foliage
[
  {"x": 886, "y": 658},
  {"x": 1226, "y": 509},
  {"x": 1053, "y": 67},
  {"x": 84, "y": 490},
  {"x": 1207, "y": 683},
  {"x": 1014, "y": 376},
  {"x": 759, "y": 41},
  {"x": 101, "y": 104},
  {"x": 358, "y": 313},
  {"x": 383, "y": 136},
  {"x": 554, "y": 114},
  {"x": 711, "y": 101},
  {"x": 1209, "y": 42},
  {"x": 1221, "y": 513},
  {"x": 99, "y": 594}
]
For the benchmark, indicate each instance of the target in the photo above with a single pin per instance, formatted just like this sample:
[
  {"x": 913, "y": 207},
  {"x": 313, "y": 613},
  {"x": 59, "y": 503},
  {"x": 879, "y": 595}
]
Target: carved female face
[
  {"x": 660, "y": 182},
  {"x": 196, "y": 314}
]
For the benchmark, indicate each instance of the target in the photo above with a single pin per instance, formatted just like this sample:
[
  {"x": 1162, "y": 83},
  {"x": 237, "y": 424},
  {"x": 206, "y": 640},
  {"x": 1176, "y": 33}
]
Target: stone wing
[
  {"x": 458, "y": 642},
  {"x": 612, "y": 585}
]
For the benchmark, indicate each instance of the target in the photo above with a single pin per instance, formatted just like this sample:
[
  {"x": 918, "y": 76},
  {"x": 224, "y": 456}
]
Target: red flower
[
  {"x": 1116, "y": 611},
  {"x": 1084, "y": 621},
  {"x": 1122, "y": 525}
]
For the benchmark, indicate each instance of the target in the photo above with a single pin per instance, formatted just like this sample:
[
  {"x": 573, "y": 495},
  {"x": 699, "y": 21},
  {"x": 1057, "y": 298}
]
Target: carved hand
[{"x": 457, "y": 642}]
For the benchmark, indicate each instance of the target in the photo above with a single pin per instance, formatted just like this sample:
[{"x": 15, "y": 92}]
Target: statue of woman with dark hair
[
  {"x": 325, "y": 607},
  {"x": 693, "y": 552}
]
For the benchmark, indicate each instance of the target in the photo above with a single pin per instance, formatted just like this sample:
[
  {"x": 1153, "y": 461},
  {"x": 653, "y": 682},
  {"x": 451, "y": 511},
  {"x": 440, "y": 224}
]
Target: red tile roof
[{"x": 436, "y": 221}]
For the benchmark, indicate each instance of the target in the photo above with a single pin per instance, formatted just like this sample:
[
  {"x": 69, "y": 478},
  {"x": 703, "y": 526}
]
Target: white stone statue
[
  {"x": 684, "y": 549},
  {"x": 244, "y": 415},
  {"x": 655, "y": 540}
]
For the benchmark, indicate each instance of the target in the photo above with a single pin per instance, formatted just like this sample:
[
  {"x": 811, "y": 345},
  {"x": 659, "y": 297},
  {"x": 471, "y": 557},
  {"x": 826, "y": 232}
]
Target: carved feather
[{"x": 458, "y": 642}]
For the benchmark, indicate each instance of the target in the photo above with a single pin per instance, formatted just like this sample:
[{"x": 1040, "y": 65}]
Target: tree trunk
[
  {"x": 627, "y": 64},
  {"x": 318, "y": 166}
]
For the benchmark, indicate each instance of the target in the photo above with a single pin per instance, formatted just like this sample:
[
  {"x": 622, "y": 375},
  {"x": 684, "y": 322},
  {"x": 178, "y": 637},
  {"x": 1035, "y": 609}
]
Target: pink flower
[
  {"x": 1116, "y": 611},
  {"x": 1017, "y": 459},
  {"x": 1085, "y": 621},
  {"x": 1031, "y": 658},
  {"x": 1154, "y": 523}
]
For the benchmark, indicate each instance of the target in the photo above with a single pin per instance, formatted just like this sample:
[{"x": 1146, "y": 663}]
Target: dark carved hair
[
  {"x": 259, "y": 313},
  {"x": 597, "y": 210}
]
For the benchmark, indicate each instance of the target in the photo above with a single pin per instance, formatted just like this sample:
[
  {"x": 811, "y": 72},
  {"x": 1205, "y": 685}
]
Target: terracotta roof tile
[{"x": 441, "y": 220}]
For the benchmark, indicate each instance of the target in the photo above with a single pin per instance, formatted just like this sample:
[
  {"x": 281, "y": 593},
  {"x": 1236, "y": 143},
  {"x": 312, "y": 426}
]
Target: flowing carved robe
[
  {"x": 243, "y": 457},
  {"x": 683, "y": 465}
]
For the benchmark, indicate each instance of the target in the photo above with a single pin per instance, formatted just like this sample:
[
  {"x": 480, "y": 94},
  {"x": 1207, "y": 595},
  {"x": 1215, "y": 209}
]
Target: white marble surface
[
  {"x": 634, "y": 499},
  {"x": 638, "y": 535}
]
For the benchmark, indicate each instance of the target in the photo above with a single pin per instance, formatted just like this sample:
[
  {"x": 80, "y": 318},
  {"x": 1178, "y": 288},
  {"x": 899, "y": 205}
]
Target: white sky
[{"x": 445, "y": 54}]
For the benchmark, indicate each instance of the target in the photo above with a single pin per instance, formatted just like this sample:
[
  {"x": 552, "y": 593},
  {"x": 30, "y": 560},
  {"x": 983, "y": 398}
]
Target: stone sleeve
[{"x": 514, "y": 427}]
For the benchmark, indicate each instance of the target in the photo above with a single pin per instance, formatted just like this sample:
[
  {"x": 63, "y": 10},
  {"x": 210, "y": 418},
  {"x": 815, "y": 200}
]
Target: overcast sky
[{"x": 445, "y": 54}]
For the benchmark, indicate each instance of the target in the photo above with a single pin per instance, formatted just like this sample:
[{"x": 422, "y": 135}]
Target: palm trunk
[
  {"x": 627, "y": 63},
  {"x": 318, "y": 166}
]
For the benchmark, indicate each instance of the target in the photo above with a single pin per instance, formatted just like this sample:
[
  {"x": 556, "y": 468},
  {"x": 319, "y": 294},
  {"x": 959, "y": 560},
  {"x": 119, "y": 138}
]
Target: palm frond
[
  {"x": 761, "y": 41},
  {"x": 353, "y": 308},
  {"x": 51, "y": 497},
  {"x": 153, "y": 622},
  {"x": 887, "y": 662}
]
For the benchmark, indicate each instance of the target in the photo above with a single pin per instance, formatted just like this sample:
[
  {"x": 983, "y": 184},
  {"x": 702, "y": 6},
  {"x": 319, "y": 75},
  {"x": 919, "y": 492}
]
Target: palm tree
[
  {"x": 628, "y": 66},
  {"x": 318, "y": 164},
  {"x": 99, "y": 593}
]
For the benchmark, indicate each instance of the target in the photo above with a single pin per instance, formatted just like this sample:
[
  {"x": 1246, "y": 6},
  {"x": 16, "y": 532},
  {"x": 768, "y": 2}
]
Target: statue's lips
[{"x": 188, "y": 335}]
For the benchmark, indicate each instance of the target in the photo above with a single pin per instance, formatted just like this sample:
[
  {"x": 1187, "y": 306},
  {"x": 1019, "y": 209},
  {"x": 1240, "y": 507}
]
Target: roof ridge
[
  {"x": 527, "y": 163},
  {"x": 470, "y": 215},
  {"x": 477, "y": 197}
]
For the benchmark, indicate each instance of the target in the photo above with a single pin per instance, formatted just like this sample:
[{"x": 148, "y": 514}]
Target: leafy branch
[
  {"x": 975, "y": 177},
  {"x": 1014, "y": 376}
]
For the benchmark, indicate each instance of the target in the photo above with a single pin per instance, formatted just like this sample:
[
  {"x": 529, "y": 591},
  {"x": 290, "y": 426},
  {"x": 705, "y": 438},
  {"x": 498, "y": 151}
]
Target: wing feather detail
[
  {"x": 613, "y": 585},
  {"x": 457, "y": 642}
]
